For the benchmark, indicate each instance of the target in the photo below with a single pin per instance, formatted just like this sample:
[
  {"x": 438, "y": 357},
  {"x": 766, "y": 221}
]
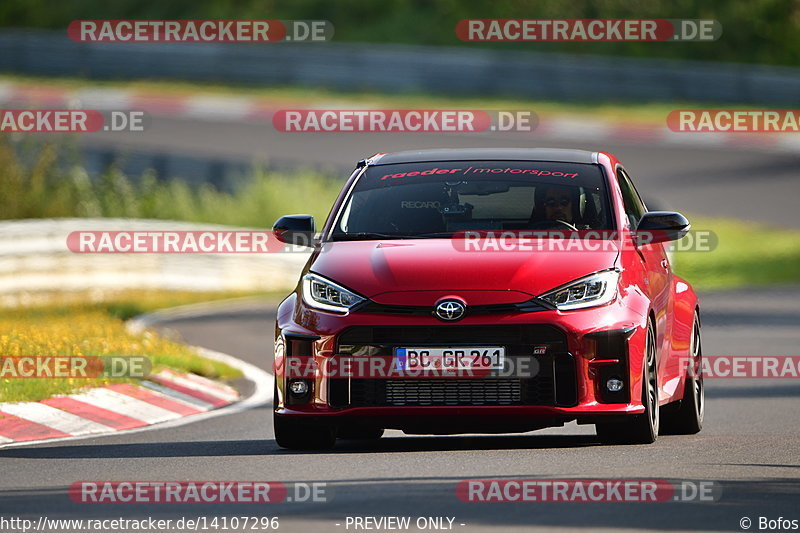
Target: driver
[{"x": 556, "y": 202}]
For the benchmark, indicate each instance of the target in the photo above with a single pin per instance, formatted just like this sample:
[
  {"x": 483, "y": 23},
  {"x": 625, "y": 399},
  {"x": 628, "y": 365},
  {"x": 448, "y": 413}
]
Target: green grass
[
  {"x": 756, "y": 31},
  {"x": 32, "y": 185},
  {"x": 748, "y": 254},
  {"x": 123, "y": 304},
  {"x": 73, "y": 324},
  {"x": 75, "y": 327},
  {"x": 646, "y": 113}
]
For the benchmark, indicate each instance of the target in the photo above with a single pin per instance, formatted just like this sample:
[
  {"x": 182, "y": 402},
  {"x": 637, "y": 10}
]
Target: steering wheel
[{"x": 552, "y": 224}]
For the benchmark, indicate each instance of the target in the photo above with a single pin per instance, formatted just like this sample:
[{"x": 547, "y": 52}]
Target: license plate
[{"x": 451, "y": 358}]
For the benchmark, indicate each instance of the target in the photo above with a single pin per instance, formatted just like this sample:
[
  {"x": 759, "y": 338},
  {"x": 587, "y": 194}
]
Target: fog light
[
  {"x": 614, "y": 385},
  {"x": 298, "y": 387}
]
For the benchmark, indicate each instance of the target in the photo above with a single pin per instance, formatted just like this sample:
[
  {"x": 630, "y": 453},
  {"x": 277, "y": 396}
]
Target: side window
[{"x": 634, "y": 207}]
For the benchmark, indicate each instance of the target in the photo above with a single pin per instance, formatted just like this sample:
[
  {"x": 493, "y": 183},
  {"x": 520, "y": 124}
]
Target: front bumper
[{"x": 574, "y": 354}]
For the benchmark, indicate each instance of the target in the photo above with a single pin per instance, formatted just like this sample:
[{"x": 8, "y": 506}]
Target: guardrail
[
  {"x": 34, "y": 258},
  {"x": 401, "y": 68}
]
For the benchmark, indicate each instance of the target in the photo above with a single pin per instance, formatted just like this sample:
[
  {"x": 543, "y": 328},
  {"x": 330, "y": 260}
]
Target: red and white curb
[
  {"x": 166, "y": 396},
  {"x": 238, "y": 108},
  {"x": 167, "y": 399}
]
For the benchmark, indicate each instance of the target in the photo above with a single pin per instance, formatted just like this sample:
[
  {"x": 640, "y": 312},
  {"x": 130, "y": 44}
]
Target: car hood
[{"x": 408, "y": 272}]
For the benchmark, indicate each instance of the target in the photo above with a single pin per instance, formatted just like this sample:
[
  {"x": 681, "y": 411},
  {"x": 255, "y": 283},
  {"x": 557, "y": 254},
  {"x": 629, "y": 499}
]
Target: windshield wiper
[
  {"x": 431, "y": 235},
  {"x": 365, "y": 236}
]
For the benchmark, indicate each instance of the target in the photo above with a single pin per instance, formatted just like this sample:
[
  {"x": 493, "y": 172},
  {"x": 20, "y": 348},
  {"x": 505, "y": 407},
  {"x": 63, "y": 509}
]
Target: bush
[
  {"x": 33, "y": 184},
  {"x": 756, "y": 31}
]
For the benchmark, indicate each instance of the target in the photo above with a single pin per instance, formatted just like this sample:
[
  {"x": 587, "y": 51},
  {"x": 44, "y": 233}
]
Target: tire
[
  {"x": 360, "y": 433},
  {"x": 642, "y": 428},
  {"x": 685, "y": 417},
  {"x": 295, "y": 435}
]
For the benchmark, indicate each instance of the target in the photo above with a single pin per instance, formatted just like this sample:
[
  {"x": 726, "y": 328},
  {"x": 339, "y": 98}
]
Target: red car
[{"x": 487, "y": 291}]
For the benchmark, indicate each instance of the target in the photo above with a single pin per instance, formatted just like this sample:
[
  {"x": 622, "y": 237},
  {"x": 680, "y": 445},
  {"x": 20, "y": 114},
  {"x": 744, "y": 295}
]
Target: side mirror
[
  {"x": 295, "y": 229},
  {"x": 661, "y": 226}
]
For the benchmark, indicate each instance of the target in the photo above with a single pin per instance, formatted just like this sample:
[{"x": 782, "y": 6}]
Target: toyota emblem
[{"x": 450, "y": 310}]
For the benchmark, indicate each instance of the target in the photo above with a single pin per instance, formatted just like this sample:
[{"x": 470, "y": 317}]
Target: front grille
[
  {"x": 450, "y": 391},
  {"x": 460, "y": 392},
  {"x": 530, "y": 306},
  {"x": 554, "y": 384}
]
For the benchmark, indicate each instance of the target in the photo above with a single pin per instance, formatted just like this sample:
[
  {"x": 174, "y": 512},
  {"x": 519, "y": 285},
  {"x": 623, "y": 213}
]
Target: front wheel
[
  {"x": 686, "y": 416},
  {"x": 643, "y": 428}
]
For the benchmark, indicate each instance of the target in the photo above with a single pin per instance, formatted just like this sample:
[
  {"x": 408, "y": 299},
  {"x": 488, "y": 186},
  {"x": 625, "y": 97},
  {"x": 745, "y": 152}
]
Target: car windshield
[{"x": 438, "y": 199}]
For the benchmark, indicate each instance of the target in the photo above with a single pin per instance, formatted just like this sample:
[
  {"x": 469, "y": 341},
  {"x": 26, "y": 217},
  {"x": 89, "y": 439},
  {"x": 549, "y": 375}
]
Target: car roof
[{"x": 488, "y": 154}]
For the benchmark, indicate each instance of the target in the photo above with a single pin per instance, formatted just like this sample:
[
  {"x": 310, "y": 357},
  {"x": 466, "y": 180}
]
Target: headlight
[
  {"x": 591, "y": 291},
  {"x": 324, "y": 294}
]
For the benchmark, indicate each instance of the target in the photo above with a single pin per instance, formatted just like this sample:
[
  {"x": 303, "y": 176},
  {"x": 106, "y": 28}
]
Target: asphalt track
[
  {"x": 750, "y": 446},
  {"x": 741, "y": 182},
  {"x": 749, "y": 449}
]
